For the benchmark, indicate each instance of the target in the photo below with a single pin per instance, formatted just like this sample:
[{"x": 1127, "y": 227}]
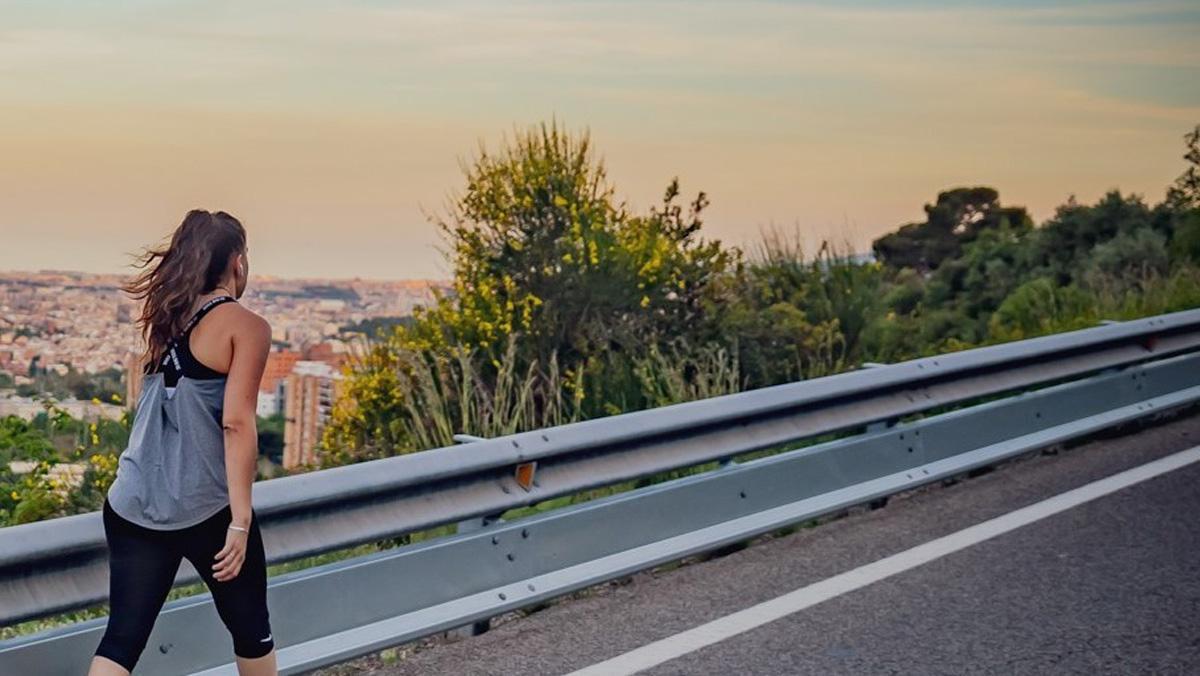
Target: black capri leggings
[{"x": 142, "y": 566}]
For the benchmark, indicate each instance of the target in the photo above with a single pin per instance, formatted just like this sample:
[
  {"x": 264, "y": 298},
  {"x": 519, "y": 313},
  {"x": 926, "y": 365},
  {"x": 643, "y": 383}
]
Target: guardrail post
[
  {"x": 477, "y": 523},
  {"x": 465, "y": 526},
  {"x": 879, "y": 425}
]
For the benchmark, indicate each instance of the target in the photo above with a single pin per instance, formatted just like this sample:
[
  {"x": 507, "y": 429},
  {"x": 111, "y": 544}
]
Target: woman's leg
[
  {"x": 142, "y": 565},
  {"x": 242, "y": 601}
]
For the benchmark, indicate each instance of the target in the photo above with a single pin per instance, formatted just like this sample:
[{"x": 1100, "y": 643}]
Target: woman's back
[
  {"x": 198, "y": 351},
  {"x": 172, "y": 474}
]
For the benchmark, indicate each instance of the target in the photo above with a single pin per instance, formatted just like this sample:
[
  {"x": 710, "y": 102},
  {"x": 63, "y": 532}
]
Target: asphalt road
[{"x": 1108, "y": 586}]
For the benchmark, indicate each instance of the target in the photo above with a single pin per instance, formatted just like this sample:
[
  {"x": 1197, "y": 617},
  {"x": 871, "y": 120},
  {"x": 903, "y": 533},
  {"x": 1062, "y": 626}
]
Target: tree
[
  {"x": 1126, "y": 260},
  {"x": 539, "y": 245},
  {"x": 1042, "y": 306},
  {"x": 957, "y": 218},
  {"x": 554, "y": 281},
  {"x": 1061, "y": 247},
  {"x": 1185, "y": 193},
  {"x": 1184, "y": 199},
  {"x": 1185, "y": 240},
  {"x": 976, "y": 282}
]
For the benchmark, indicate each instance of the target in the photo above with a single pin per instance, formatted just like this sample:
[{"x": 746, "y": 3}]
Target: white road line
[{"x": 722, "y": 628}]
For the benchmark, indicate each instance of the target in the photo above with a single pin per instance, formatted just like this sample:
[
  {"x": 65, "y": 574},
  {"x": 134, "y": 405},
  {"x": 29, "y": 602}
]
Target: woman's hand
[{"x": 230, "y": 558}]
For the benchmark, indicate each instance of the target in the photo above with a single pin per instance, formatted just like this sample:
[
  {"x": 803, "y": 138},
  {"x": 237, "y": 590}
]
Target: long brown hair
[{"x": 191, "y": 265}]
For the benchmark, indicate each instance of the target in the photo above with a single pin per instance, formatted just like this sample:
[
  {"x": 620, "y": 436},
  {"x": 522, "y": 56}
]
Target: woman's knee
[{"x": 253, "y": 641}]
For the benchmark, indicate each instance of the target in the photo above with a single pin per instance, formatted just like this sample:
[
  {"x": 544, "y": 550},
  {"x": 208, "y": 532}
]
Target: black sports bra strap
[{"x": 208, "y": 305}]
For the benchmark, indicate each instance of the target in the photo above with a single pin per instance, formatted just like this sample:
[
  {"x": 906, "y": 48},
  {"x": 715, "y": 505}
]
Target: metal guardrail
[{"x": 59, "y": 564}]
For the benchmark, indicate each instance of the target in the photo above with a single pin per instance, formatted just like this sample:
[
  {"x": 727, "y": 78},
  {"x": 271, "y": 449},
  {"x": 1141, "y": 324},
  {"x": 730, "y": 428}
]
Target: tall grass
[
  {"x": 673, "y": 375},
  {"x": 1039, "y": 307},
  {"x": 455, "y": 392}
]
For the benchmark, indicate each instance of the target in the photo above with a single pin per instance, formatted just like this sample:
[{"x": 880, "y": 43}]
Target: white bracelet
[{"x": 238, "y": 528}]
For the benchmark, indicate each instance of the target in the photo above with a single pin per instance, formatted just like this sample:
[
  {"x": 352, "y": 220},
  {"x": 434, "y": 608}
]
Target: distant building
[
  {"x": 332, "y": 352},
  {"x": 67, "y": 475},
  {"x": 271, "y": 389},
  {"x": 25, "y": 408},
  {"x": 309, "y": 392},
  {"x": 133, "y": 378},
  {"x": 28, "y": 408},
  {"x": 270, "y": 403},
  {"x": 279, "y": 365}
]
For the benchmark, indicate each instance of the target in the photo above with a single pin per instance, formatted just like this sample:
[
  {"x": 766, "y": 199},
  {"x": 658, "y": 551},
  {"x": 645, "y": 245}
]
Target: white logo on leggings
[{"x": 268, "y": 638}]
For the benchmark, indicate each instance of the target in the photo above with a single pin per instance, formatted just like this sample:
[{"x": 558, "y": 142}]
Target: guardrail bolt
[
  {"x": 495, "y": 540},
  {"x": 164, "y": 647},
  {"x": 525, "y": 532},
  {"x": 511, "y": 557}
]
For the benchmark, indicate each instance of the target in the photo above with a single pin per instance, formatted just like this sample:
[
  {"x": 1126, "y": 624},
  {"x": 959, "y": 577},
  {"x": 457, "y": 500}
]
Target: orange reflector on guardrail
[{"x": 524, "y": 474}]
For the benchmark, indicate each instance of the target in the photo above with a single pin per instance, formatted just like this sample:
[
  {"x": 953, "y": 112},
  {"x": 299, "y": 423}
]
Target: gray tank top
[{"x": 172, "y": 473}]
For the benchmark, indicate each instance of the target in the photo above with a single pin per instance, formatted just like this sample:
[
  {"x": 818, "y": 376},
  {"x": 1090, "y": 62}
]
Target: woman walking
[{"x": 183, "y": 484}]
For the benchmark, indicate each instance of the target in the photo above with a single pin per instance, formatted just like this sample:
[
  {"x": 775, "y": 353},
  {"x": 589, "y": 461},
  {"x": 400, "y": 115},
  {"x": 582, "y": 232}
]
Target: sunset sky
[{"x": 332, "y": 128}]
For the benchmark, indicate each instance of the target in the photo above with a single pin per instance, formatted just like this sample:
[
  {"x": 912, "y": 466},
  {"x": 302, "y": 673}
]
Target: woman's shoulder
[
  {"x": 243, "y": 321},
  {"x": 238, "y": 317}
]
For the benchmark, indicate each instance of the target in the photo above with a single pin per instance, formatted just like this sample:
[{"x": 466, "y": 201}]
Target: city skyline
[
  {"x": 253, "y": 276},
  {"x": 333, "y": 129}
]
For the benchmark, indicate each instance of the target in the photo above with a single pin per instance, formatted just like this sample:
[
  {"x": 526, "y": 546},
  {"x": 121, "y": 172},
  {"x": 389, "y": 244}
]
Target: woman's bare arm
[{"x": 251, "y": 343}]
